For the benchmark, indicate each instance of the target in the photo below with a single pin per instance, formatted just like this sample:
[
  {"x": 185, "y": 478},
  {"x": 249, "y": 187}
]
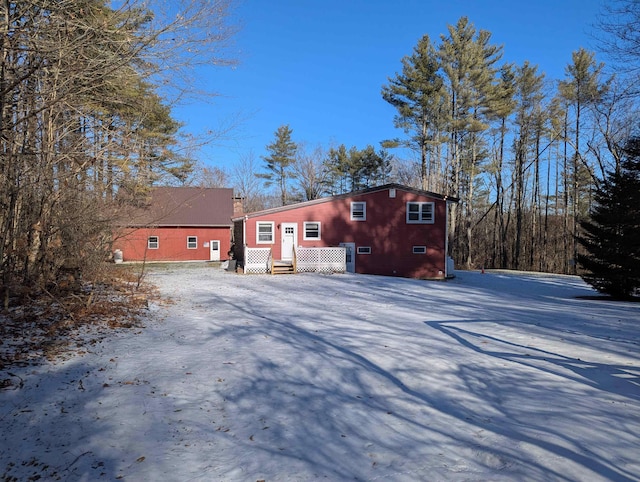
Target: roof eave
[
  {"x": 180, "y": 225},
  {"x": 343, "y": 196}
]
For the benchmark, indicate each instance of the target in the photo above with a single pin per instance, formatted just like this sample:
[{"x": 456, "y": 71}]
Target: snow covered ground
[{"x": 495, "y": 376}]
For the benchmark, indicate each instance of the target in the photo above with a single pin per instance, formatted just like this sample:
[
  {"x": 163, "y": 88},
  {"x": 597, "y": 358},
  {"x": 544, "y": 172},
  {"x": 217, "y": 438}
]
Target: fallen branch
[
  {"x": 77, "y": 458},
  {"x": 67, "y": 310}
]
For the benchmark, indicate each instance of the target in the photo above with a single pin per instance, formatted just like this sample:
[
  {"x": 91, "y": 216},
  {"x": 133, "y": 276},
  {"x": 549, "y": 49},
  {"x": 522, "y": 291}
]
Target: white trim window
[
  {"x": 358, "y": 211},
  {"x": 420, "y": 213},
  {"x": 153, "y": 242},
  {"x": 264, "y": 232},
  {"x": 364, "y": 250},
  {"x": 192, "y": 242},
  {"x": 311, "y": 231},
  {"x": 419, "y": 250}
]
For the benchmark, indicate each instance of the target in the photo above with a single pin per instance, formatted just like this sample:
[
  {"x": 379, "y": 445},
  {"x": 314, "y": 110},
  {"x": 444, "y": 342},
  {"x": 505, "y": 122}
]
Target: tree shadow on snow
[
  {"x": 541, "y": 397},
  {"x": 339, "y": 400},
  {"x": 48, "y": 419},
  {"x": 633, "y": 299},
  {"x": 617, "y": 379},
  {"x": 331, "y": 405}
]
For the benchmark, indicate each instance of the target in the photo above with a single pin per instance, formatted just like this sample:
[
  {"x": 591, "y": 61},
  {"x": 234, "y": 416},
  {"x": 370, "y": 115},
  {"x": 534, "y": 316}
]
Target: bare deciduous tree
[
  {"x": 247, "y": 185},
  {"x": 83, "y": 120},
  {"x": 309, "y": 172}
]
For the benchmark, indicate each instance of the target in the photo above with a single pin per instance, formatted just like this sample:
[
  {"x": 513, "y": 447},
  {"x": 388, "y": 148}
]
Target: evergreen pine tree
[
  {"x": 282, "y": 154},
  {"x": 419, "y": 96},
  {"x": 356, "y": 169},
  {"x": 612, "y": 234},
  {"x": 583, "y": 87}
]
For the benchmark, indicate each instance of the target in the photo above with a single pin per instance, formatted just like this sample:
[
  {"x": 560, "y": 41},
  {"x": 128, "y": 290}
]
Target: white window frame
[
  {"x": 364, "y": 211},
  {"x": 363, "y": 250},
  {"x": 150, "y": 244},
  {"x": 419, "y": 250},
  {"x": 273, "y": 227},
  {"x": 421, "y": 212},
  {"x": 306, "y": 237},
  {"x": 192, "y": 244}
]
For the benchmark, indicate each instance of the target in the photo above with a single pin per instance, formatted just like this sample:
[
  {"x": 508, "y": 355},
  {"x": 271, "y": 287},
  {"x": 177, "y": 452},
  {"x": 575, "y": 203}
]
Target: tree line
[
  {"x": 86, "y": 125},
  {"x": 524, "y": 154},
  {"x": 336, "y": 171},
  {"x": 87, "y": 88}
]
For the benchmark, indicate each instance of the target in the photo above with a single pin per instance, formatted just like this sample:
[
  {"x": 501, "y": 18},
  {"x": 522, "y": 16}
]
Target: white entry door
[
  {"x": 351, "y": 259},
  {"x": 289, "y": 240},
  {"x": 214, "y": 250}
]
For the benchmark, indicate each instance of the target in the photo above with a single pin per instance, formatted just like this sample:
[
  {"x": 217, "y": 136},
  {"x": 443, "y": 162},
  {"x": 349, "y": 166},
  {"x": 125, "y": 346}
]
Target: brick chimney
[{"x": 238, "y": 205}]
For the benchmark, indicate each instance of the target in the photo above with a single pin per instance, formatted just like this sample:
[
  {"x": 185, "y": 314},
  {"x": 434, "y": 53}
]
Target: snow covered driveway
[{"x": 491, "y": 376}]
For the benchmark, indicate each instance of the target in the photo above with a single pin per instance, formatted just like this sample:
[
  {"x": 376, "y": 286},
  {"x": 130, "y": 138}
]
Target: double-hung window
[
  {"x": 264, "y": 232},
  {"x": 359, "y": 211},
  {"x": 311, "y": 231},
  {"x": 192, "y": 242},
  {"x": 420, "y": 213},
  {"x": 153, "y": 242}
]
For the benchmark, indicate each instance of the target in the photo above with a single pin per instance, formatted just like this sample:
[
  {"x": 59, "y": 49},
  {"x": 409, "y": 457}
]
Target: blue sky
[{"x": 319, "y": 65}]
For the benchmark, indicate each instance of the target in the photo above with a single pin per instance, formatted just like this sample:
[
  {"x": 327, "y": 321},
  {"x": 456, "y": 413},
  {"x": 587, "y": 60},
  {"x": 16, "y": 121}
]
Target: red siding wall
[
  {"x": 172, "y": 243},
  {"x": 385, "y": 230}
]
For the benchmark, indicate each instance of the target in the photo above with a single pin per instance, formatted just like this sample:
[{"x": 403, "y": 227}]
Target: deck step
[{"x": 282, "y": 267}]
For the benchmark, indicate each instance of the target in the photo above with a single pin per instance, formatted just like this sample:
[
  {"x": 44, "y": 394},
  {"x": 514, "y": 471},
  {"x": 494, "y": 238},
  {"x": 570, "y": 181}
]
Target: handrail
[
  {"x": 272, "y": 260},
  {"x": 295, "y": 261}
]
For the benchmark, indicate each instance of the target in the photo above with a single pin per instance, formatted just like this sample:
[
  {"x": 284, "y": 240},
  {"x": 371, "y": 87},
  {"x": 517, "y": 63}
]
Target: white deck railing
[
  {"x": 257, "y": 260},
  {"x": 321, "y": 260}
]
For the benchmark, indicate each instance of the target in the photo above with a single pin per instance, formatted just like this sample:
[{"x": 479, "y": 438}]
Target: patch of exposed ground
[{"x": 47, "y": 326}]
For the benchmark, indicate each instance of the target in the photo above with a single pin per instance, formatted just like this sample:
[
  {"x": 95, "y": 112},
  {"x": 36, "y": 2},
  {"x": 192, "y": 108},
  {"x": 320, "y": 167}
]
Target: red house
[
  {"x": 179, "y": 224},
  {"x": 390, "y": 230}
]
